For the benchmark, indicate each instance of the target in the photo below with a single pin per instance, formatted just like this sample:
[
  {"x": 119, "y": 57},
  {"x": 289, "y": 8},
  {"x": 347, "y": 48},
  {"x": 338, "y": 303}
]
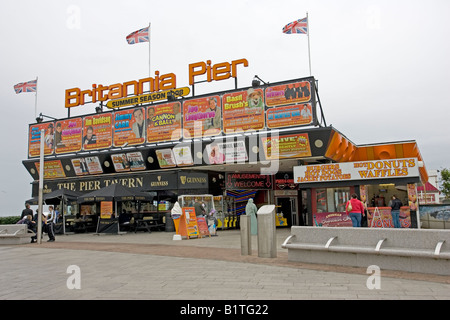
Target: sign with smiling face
[
  {"x": 129, "y": 127},
  {"x": 202, "y": 117}
]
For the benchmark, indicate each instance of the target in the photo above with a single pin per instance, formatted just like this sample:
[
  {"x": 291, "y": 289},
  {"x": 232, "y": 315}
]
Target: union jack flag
[
  {"x": 298, "y": 26},
  {"x": 141, "y": 35},
  {"x": 30, "y": 86}
]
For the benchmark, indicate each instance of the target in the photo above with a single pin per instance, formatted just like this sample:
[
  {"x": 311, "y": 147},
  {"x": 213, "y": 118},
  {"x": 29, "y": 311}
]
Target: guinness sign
[
  {"x": 162, "y": 181},
  {"x": 192, "y": 180}
]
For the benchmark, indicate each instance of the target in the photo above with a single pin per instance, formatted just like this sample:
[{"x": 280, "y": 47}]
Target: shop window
[{"x": 332, "y": 199}]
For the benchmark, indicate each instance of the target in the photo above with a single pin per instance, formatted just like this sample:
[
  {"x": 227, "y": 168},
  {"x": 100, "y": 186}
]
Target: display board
[
  {"x": 187, "y": 226},
  {"x": 274, "y": 106}
]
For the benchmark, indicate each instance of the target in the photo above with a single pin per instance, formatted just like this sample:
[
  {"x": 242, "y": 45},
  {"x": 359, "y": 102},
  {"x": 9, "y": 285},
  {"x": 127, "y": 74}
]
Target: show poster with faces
[
  {"x": 289, "y": 116},
  {"x": 68, "y": 135},
  {"x": 97, "y": 131},
  {"x": 129, "y": 127},
  {"x": 202, "y": 117},
  {"x": 34, "y": 139},
  {"x": 164, "y": 122},
  {"x": 243, "y": 111},
  {"x": 289, "y": 93}
]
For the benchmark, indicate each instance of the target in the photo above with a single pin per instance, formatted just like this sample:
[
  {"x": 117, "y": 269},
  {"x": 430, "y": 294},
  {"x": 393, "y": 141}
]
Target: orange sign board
[
  {"x": 221, "y": 71},
  {"x": 187, "y": 226},
  {"x": 243, "y": 111}
]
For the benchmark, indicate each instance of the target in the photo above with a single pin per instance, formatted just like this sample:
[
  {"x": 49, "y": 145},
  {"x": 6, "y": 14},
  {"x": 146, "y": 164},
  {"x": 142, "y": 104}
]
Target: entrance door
[{"x": 288, "y": 206}]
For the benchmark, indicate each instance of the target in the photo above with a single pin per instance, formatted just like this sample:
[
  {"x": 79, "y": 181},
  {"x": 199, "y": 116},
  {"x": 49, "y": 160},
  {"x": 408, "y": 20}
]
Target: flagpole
[
  {"x": 35, "y": 99},
  {"x": 149, "y": 64},
  {"x": 309, "y": 50}
]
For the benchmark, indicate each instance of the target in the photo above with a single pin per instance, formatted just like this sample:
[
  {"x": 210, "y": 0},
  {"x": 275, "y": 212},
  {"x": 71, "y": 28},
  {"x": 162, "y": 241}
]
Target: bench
[
  {"x": 412, "y": 250},
  {"x": 15, "y": 234}
]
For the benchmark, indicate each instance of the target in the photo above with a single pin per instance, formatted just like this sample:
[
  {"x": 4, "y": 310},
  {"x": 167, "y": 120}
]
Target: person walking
[
  {"x": 250, "y": 210},
  {"x": 395, "y": 211},
  {"x": 355, "y": 210},
  {"x": 51, "y": 219}
]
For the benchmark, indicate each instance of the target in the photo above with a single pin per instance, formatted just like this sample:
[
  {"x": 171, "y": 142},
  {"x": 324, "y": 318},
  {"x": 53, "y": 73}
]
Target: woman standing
[
  {"x": 251, "y": 210},
  {"x": 356, "y": 211}
]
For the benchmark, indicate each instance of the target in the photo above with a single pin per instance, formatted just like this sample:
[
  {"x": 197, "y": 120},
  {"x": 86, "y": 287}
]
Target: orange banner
[
  {"x": 129, "y": 127},
  {"x": 202, "y": 117},
  {"x": 106, "y": 209},
  {"x": 164, "y": 122},
  {"x": 243, "y": 111},
  {"x": 289, "y": 116},
  {"x": 52, "y": 169},
  {"x": 34, "y": 139},
  {"x": 97, "y": 131},
  {"x": 68, "y": 135},
  {"x": 291, "y": 146},
  {"x": 288, "y": 93}
]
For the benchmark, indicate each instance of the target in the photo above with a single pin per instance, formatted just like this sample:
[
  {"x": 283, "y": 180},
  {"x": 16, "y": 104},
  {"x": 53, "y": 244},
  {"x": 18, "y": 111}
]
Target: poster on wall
[
  {"x": 290, "y": 116},
  {"x": 93, "y": 164},
  {"x": 136, "y": 161},
  {"x": 226, "y": 152},
  {"x": 34, "y": 139},
  {"x": 80, "y": 166},
  {"x": 380, "y": 217},
  {"x": 97, "y": 131},
  {"x": 290, "y": 146},
  {"x": 164, "y": 122},
  {"x": 52, "y": 169},
  {"x": 412, "y": 196},
  {"x": 121, "y": 162},
  {"x": 106, "y": 209},
  {"x": 202, "y": 117},
  {"x": 243, "y": 111},
  {"x": 289, "y": 93},
  {"x": 129, "y": 127},
  {"x": 166, "y": 158},
  {"x": 183, "y": 156},
  {"x": 331, "y": 219},
  {"x": 68, "y": 135},
  {"x": 131, "y": 161}
]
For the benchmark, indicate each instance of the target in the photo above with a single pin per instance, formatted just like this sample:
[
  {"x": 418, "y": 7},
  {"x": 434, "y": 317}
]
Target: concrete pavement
[{"x": 153, "y": 266}]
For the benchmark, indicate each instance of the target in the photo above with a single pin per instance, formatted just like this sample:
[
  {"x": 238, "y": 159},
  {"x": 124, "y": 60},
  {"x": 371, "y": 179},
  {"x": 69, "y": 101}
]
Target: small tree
[{"x": 445, "y": 183}]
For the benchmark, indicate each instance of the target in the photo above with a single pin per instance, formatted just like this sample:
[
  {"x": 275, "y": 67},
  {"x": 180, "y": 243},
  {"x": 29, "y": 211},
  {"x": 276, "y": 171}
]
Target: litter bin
[
  {"x": 170, "y": 227},
  {"x": 267, "y": 236}
]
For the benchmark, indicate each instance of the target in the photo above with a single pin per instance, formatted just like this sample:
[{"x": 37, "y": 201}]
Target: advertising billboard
[
  {"x": 202, "y": 117},
  {"x": 164, "y": 122},
  {"x": 243, "y": 111},
  {"x": 97, "y": 131}
]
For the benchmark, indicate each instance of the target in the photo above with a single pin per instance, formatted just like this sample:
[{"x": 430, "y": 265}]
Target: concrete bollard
[
  {"x": 246, "y": 238},
  {"x": 267, "y": 236}
]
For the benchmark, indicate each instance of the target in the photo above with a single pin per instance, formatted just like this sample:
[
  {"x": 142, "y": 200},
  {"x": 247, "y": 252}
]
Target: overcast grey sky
[{"x": 383, "y": 66}]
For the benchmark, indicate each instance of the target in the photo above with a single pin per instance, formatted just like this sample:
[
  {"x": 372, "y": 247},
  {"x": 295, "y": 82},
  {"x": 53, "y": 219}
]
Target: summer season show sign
[
  {"x": 97, "y": 131},
  {"x": 129, "y": 127},
  {"x": 243, "y": 111},
  {"x": 164, "y": 122},
  {"x": 202, "y": 117},
  {"x": 34, "y": 139}
]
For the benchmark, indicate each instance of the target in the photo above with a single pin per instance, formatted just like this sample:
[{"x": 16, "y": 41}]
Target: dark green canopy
[{"x": 115, "y": 192}]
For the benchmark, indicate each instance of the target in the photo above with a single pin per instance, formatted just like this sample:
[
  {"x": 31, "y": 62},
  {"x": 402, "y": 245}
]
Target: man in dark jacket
[
  {"x": 395, "y": 211},
  {"x": 26, "y": 211}
]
